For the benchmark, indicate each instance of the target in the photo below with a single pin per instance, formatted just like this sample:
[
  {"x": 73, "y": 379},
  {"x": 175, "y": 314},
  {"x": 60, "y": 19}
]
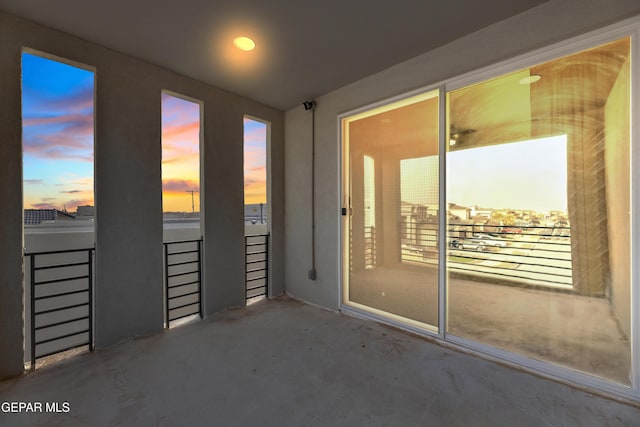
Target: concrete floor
[
  {"x": 284, "y": 363},
  {"x": 570, "y": 330}
]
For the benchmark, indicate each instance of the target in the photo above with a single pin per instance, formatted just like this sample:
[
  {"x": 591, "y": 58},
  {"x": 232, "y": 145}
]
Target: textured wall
[{"x": 11, "y": 300}]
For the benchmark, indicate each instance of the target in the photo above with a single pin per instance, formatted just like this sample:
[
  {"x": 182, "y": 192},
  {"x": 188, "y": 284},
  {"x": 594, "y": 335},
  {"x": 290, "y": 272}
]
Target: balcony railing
[
  {"x": 256, "y": 266},
  {"x": 60, "y": 291},
  {"x": 61, "y": 301},
  {"x": 183, "y": 279},
  {"x": 369, "y": 247},
  {"x": 535, "y": 254}
]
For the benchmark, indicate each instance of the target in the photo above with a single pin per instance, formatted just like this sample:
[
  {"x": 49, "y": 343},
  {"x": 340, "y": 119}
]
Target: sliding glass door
[{"x": 535, "y": 248}]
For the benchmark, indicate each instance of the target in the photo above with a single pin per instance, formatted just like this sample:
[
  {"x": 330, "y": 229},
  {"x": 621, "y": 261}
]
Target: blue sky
[
  {"x": 58, "y": 141},
  {"x": 57, "y": 112}
]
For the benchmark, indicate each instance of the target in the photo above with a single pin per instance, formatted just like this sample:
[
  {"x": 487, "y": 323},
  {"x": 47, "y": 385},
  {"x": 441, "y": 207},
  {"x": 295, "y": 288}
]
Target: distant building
[
  {"x": 462, "y": 212},
  {"x": 36, "y": 216},
  {"x": 255, "y": 213},
  {"x": 419, "y": 226},
  {"x": 85, "y": 212},
  {"x": 193, "y": 216},
  {"x": 484, "y": 212}
]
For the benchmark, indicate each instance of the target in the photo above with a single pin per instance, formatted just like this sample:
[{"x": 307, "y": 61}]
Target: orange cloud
[
  {"x": 180, "y": 153},
  {"x": 78, "y": 121},
  {"x": 69, "y": 205},
  {"x": 44, "y": 205},
  {"x": 72, "y": 205},
  {"x": 179, "y": 185},
  {"x": 68, "y": 136},
  {"x": 189, "y": 131}
]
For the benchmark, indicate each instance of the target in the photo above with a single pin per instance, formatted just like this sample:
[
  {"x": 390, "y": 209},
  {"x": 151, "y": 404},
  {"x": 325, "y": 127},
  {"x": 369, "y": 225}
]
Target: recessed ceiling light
[
  {"x": 530, "y": 80},
  {"x": 244, "y": 43}
]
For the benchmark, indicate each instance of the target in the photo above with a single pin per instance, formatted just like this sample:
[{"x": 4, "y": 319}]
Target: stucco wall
[
  {"x": 11, "y": 333},
  {"x": 550, "y": 22},
  {"x": 128, "y": 188}
]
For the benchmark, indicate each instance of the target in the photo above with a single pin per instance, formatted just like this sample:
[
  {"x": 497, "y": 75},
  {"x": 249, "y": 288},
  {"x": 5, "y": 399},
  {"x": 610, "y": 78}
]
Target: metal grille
[
  {"x": 183, "y": 279},
  {"x": 537, "y": 254},
  {"x": 257, "y": 266},
  {"x": 61, "y": 301}
]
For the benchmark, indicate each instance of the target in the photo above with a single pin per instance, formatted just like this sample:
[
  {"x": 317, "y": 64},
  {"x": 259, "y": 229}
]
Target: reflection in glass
[
  {"x": 538, "y": 182},
  {"x": 393, "y": 175},
  {"x": 369, "y": 212}
]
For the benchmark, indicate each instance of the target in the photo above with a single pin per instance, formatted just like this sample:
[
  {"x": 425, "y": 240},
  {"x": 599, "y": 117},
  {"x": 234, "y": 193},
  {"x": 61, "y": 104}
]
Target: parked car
[
  {"x": 490, "y": 241},
  {"x": 473, "y": 244},
  {"x": 413, "y": 249},
  {"x": 454, "y": 243}
]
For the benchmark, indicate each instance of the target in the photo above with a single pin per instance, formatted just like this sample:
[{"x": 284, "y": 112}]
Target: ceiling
[
  {"x": 405, "y": 132},
  {"x": 571, "y": 89},
  {"x": 303, "y": 49},
  {"x": 570, "y": 98}
]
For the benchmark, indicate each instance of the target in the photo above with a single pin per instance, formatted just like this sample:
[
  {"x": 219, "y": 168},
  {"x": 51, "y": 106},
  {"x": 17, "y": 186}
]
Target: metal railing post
[
  {"x": 266, "y": 266},
  {"x": 90, "y": 253},
  {"x": 166, "y": 283},
  {"x": 246, "y": 267},
  {"x": 200, "y": 277},
  {"x": 32, "y": 270}
]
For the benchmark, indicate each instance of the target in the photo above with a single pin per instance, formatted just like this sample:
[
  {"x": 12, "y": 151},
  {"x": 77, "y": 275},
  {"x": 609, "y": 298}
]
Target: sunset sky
[
  {"x": 57, "y": 111},
  {"x": 255, "y": 161},
  {"x": 180, "y": 158},
  {"x": 58, "y": 140},
  {"x": 180, "y": 154}
]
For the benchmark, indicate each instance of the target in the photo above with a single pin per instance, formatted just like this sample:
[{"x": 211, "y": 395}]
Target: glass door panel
[
  {"x": 391, "y": 234},
  {"x": 538, "y": 185}
]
